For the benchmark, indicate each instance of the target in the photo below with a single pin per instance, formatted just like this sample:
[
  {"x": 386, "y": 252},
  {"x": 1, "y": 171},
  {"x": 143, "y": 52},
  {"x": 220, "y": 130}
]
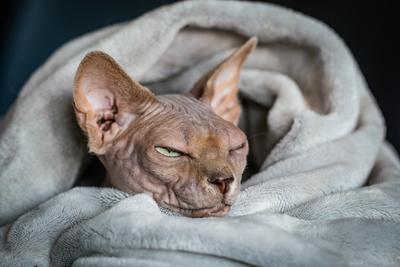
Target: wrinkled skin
[{"x": 126, "y": 124}]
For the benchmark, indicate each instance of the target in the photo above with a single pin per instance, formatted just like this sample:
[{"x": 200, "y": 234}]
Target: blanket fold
[{"x": 326, "y": 185}]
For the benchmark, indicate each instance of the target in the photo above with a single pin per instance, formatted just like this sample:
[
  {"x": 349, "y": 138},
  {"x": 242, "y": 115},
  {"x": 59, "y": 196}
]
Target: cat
[{"x": 185, "y": 150}]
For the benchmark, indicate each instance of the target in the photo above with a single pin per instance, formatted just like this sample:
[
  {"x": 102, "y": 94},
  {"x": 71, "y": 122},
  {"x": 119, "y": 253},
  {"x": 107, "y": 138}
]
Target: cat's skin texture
[{"x": 126, "y": 124}]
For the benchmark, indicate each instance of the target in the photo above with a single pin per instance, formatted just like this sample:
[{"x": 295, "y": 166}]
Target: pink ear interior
[
  {"x": 218, "y": 88},
  {"x": 100, "y": 99},
  {"x": 106, "y": 99}
]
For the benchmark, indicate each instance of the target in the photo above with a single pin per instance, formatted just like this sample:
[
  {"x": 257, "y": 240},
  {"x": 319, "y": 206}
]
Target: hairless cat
[{"x": 185, "y": 150}]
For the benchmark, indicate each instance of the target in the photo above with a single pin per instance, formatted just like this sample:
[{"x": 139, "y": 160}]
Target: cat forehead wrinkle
[
  {"x": 197, "y": 120},
  {"x": 173, "y": 139},
  {"x": 185, "y": 105}
]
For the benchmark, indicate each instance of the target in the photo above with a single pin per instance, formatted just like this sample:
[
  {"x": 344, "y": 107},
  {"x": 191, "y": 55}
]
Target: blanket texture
[{"x": 326, "y": 186}]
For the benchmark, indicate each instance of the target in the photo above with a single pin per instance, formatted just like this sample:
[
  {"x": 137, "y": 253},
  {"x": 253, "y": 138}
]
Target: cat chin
[{"x": 219, "y": 210}]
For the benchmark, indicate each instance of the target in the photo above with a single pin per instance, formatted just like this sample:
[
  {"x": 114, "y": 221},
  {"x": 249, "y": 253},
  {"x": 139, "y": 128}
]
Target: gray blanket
[{"x": 326, "y": 187}]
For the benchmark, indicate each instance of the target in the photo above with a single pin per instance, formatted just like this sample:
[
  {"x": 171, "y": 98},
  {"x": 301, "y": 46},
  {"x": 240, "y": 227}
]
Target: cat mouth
[{"x": 219, "y": 210}]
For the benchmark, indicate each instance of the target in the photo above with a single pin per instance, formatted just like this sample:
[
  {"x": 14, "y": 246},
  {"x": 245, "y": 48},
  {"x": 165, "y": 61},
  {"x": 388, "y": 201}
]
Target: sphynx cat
[{"x": 185, "y": 150}]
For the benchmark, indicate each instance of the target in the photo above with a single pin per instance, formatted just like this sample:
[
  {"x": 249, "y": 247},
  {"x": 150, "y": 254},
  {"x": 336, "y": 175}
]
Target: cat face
[{"x": 183, "y": 149}]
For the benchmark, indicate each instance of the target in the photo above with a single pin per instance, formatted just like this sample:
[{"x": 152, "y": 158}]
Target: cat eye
[
  {"x": 168, "y": 152},
  {"x": 238, "y": 147}
]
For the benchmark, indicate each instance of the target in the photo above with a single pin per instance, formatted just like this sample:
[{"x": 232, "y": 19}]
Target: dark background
[{"x": 30, "y": 30}]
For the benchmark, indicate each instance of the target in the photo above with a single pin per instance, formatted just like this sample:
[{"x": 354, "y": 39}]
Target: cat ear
[
  {"x": 218, "y": 88},
  {"x": 106, "y": 99}
]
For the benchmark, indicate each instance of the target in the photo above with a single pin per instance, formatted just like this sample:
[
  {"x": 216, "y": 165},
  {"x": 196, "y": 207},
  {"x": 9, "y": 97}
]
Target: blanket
[{"x": 324, "y": 187}]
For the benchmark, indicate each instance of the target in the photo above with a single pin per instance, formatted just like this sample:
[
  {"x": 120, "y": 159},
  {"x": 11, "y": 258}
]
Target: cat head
[{"x": 184, "y": 149}]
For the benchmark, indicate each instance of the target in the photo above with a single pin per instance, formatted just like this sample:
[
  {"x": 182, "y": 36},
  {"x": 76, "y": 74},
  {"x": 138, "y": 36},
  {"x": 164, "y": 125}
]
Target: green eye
[{"x": 168, "y": 152}]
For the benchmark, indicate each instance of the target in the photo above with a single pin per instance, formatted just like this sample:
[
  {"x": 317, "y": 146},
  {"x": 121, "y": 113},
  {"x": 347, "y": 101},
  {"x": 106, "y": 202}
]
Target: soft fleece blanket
[{"x": 326, "y": 189}]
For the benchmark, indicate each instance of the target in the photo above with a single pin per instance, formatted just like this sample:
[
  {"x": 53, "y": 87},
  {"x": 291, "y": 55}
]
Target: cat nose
[{"x": 221, "y": 182}]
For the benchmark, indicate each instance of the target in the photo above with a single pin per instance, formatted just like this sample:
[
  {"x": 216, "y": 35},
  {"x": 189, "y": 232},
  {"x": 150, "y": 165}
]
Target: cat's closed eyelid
[{"x": 241, "y": 146}]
